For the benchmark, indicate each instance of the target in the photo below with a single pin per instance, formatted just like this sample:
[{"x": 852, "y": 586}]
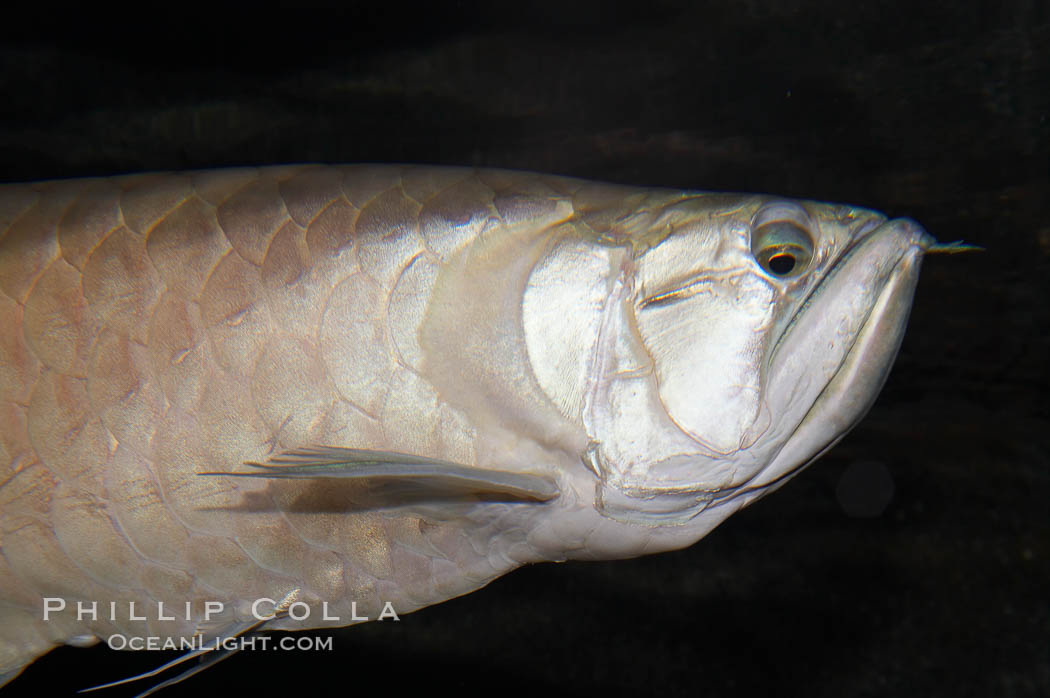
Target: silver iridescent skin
[{"x": 471, "y": 369}]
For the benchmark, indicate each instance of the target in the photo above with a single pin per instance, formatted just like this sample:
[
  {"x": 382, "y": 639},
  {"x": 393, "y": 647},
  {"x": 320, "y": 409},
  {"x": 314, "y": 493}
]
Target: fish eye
[{"x": 781, "y": 247}]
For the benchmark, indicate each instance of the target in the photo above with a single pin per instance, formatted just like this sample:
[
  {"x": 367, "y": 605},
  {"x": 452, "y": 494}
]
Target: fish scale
[
  {"x": 237, "y": 353},
  {"x": 468, "y": 325}
]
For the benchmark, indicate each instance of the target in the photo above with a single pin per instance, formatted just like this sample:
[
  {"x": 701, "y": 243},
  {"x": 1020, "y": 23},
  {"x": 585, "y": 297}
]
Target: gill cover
[{"x": 709, "y": 298}]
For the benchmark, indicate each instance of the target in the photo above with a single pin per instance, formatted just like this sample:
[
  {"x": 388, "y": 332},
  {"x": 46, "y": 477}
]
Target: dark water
[{"x": 914, "y": 559}]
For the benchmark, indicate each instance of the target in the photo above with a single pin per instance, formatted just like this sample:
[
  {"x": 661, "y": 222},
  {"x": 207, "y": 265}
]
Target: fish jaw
[{"x": 874, "y": 281}]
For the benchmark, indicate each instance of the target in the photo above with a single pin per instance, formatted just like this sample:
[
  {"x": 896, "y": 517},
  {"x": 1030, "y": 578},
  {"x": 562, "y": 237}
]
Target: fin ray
[
  {"x": 334, "y": 462},
  {"x": 208, "y": 655}
]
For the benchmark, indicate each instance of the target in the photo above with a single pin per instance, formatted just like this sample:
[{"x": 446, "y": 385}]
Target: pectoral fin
[{"x": 421, "y": 474}]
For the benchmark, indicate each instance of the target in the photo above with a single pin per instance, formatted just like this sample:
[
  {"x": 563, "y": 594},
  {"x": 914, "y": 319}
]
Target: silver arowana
[{"x": 432, "y": 375}]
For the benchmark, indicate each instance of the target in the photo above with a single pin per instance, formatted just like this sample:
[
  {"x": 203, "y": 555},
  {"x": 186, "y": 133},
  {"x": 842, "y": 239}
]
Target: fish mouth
[{"x": 832, "y": 360}]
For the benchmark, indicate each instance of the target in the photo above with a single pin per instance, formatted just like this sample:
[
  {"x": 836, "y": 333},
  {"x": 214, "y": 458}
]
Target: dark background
[{"x": 834, "y": 586}]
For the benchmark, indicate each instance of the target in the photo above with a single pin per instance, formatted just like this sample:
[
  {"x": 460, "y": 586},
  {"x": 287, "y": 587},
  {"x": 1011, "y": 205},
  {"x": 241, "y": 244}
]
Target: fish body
[{"x": 466, "y": 371}]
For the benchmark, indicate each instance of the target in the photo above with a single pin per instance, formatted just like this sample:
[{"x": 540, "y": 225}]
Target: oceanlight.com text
[{"x": 232, "y": 644}]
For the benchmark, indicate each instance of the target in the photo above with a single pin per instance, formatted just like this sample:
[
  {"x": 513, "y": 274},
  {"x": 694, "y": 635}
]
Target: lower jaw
[{"x": 852, "y": 391}]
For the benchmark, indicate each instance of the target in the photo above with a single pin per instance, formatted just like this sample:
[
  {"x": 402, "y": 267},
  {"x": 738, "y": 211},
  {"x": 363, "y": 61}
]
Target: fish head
[{"x": 748, "y": 335}]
